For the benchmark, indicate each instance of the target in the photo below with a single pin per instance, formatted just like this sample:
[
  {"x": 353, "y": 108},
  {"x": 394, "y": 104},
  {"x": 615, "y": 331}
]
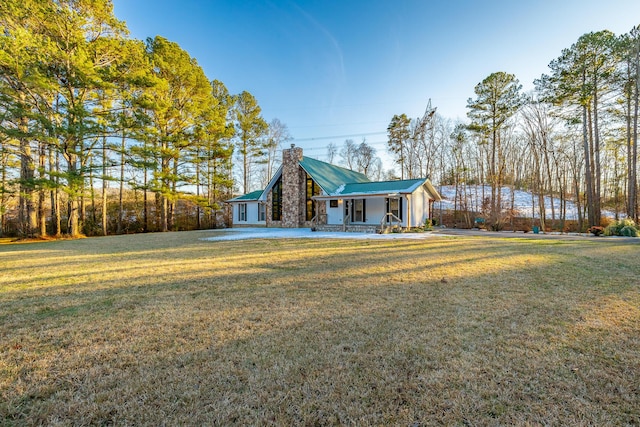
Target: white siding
[
  {"x": 419, "y": 207},
  {"x": 252, "y": 213},
  {"x": 335, "y": 215},
  {"x": 375, "y": 210}
]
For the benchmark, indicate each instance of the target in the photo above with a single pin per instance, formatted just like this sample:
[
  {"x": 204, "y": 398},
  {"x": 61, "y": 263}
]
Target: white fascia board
[{"x": 269, "y": 186}]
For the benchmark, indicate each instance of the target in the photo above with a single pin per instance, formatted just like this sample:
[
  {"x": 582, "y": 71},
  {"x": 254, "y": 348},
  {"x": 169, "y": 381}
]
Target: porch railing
[
  {"x": 346, "y": 221},
  {"x": 389, "y": 221},
  {"x": 318, "y": 220}
]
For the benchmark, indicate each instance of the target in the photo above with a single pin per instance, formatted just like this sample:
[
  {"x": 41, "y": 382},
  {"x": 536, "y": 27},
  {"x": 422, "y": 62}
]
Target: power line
[
  {"x": 376, "y": 144},
  {"x": 337, "y": 136}
]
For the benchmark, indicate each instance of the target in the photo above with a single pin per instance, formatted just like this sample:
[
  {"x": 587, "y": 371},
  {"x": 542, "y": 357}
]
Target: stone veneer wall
[{"x": 293, "y": 188}]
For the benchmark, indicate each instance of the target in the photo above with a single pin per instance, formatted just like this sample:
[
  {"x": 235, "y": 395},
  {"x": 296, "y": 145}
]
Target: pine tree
[
  {"x": 179, "y": 97},
  {"x": 498, "y": 99},
  {"x": 579, "y": 78},
  {"x": 398, "y": 132},
  {"x": 251, "y": 128}
]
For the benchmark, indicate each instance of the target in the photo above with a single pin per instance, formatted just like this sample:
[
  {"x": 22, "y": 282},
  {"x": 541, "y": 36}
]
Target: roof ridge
[
  {"x": 391, "y": 180},
  {"x": 333, "y": 166}
]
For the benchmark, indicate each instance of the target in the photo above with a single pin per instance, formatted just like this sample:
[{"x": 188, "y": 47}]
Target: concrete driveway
[{"x": 522, "y": 235}]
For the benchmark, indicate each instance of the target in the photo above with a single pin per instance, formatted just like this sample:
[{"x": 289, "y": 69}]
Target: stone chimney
[{"x": 293, "y": 186}]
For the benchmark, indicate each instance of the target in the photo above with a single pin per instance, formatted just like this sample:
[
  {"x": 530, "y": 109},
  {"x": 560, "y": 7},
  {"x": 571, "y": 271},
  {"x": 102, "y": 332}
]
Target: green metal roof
[
  {"x": 381, "y": 187},
  {"x": 330, "y": 177},
  {"x": 254, "y": 195}
]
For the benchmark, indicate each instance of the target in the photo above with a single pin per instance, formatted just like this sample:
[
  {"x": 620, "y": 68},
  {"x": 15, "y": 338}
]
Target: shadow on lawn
[{"x": 366, "y": 333}]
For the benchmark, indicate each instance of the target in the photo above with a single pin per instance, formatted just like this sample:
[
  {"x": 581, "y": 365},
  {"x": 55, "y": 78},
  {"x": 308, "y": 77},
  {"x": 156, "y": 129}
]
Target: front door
[
  {"x": 394, "y": 207},
  {"x": 347, "y": 211}
]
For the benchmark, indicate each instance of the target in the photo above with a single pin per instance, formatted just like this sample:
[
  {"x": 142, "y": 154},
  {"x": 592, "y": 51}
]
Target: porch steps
[{"x": 352, "y": 228}]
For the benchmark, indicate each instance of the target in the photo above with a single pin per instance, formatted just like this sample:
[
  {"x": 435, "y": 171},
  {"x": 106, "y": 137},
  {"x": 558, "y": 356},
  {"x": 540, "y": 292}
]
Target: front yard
[{"x": 168, "y": 329}]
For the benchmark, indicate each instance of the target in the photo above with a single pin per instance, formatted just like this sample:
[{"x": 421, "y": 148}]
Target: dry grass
[{"x": 164, "y": 329}]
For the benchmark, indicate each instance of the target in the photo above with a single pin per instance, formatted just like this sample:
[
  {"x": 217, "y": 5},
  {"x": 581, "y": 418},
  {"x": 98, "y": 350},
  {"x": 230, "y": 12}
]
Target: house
[{"x": 305, "y": 192}]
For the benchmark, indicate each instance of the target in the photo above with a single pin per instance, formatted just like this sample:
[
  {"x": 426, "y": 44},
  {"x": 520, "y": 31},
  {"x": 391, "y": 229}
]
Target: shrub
[
  {"x": 497, "y": 226},
  {"x": 596, "y": 230},
  {"x": 624, "y": 227},
  {"x": 629, "y": 231}
]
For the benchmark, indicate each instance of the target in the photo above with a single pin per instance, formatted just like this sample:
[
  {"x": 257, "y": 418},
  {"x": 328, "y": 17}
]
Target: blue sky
[{"x": 337, "y": 69}]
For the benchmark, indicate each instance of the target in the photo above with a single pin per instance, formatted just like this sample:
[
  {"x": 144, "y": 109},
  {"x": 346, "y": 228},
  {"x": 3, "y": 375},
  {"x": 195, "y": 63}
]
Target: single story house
[{"x": 305, "y": 192}]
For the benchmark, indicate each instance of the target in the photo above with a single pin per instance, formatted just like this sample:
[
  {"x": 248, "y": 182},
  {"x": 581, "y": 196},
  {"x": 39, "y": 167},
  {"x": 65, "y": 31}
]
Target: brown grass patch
[{"x": 166, "y": 329}]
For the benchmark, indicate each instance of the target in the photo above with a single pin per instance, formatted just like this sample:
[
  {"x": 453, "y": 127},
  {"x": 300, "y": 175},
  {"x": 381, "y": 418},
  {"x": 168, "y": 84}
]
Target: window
[
  {"x": 394, "y": 206},
  {"x": 262, "y": 211},
  {"x": 276, "y": 201},
  {"x": 333, "y": 203},
  {"x": 242, "y": 212},
  {"x": 313, "y": 189}
]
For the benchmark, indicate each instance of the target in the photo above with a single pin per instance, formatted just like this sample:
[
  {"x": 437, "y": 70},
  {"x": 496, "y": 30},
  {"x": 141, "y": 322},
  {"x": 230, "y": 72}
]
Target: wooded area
[
  {"x": 574, "y": 138},
  {"x": 101, "y": 133}
]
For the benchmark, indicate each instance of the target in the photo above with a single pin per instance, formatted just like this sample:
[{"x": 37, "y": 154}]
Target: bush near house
[
  {"x": 596, "y": 230},
  {"x": 624, "y": 227}
]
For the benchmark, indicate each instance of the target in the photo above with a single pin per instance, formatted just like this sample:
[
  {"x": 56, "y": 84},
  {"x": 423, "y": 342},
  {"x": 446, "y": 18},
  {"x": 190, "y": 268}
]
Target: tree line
[
  {"x": 101, "y": 133},
  {"x": 573, "y": 138}
]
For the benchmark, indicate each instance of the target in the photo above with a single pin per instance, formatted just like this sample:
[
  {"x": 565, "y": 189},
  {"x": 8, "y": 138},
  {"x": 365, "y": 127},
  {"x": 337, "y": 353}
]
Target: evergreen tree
[
  {"x": 251, "y": 128},
  {"x": 85, "y": 36},
  {"x": 180, "y": 95},
  {"x": 579, "y": 78},
  {"x": 398, "y": 133},
  {"x": 24, "y": 49},
  {"x": 498, "y": 98}
]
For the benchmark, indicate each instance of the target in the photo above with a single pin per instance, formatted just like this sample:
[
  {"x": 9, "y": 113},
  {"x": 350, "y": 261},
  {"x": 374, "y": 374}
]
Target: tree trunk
[
  {"x": 54, "y": 168},
  {"x": 121, "y": 189},
  {"x": 145, "y": 201},
  {"x": 3, "y": 185},
  {"x": 545, "y": 153},
  {"x": 596, "y": 148},
  {"x": 93, "y": 195},
  {"x": 166, "y": 186},
  {"x": 210, "y": 187},
  {"x": 162, "y": 206},
  {"x": 75, "y": 188},
  {"x": 27, "y": 211},
  {"x": 245, "y": 167},
  {"x": 105, "y": 186},
  {"x": 628, "y": 139},
  {"x": 633, "y": 192},
  {"x": 588, "y": 171},
  {"x": 197, "y": 165},
  {"x": 42, "y": 197},
  {"x": 492, "y": 171}
]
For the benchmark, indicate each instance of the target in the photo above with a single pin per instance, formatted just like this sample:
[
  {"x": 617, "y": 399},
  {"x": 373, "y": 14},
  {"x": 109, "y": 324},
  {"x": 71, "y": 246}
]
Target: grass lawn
[{"x": 166, "y": 329}]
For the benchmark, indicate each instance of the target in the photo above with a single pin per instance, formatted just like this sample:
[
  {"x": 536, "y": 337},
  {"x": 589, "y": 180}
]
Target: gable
[{"x": 271, "y": 183}]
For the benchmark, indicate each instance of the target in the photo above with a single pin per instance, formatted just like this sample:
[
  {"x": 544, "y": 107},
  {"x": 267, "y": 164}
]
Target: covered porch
[{"x": 363, "y": 213}]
